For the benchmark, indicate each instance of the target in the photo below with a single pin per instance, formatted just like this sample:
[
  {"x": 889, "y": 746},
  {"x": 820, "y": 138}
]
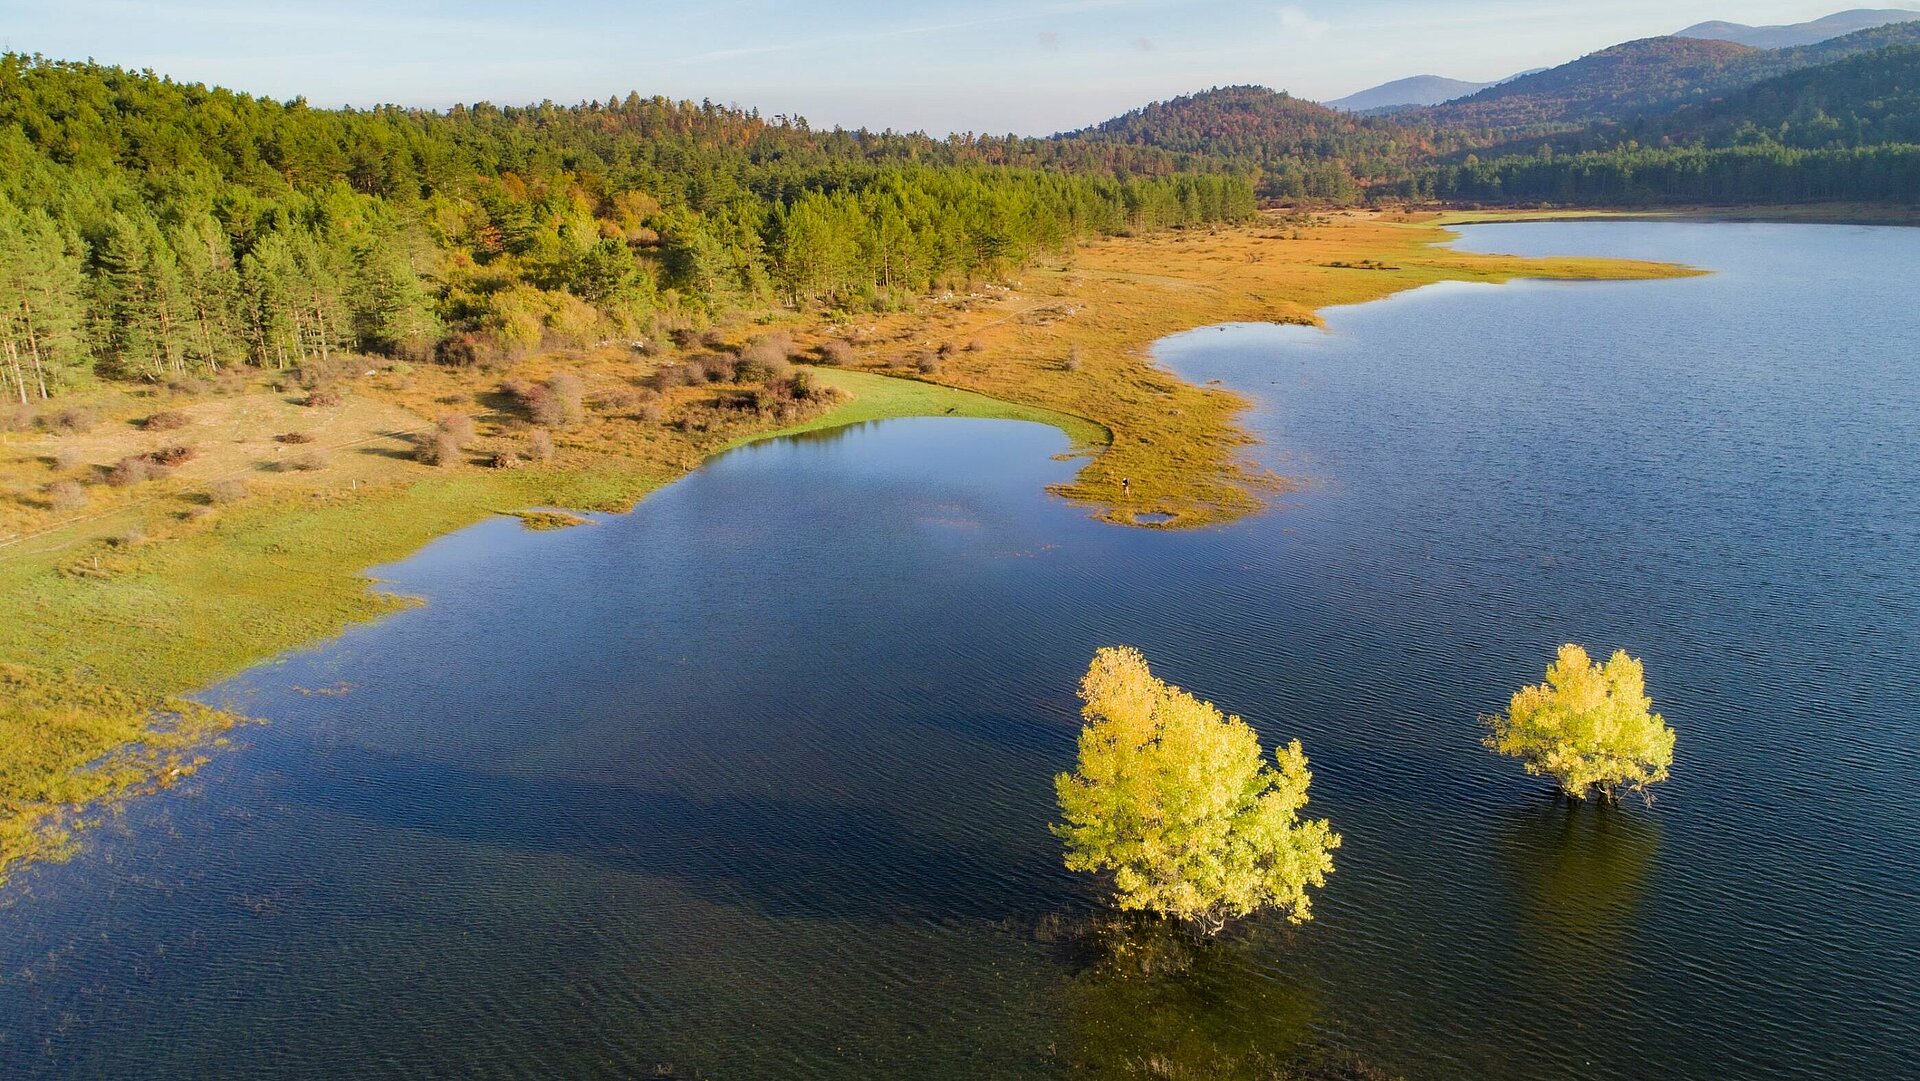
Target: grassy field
[{"x": 118, "y": 608}]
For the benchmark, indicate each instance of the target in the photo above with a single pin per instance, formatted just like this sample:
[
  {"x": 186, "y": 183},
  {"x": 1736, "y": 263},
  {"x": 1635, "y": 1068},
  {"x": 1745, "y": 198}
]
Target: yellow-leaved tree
[
  {"x": 1590, "y": 727},
  {"x": 1179, "y": 804}
]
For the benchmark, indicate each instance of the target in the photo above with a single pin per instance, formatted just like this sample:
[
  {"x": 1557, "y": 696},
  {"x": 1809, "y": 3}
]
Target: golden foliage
[
  {"x": 1178, "y": 803},
  {"x": 1589, "y": 726}
]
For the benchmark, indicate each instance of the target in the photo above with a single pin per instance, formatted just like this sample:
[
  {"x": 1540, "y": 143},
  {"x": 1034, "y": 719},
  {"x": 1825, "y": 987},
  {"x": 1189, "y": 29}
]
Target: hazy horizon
[{"x": 994, "y": 67}]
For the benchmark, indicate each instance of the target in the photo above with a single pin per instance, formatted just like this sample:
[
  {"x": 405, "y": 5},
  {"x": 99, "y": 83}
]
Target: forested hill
[
  {"x": 1642, "y": 77},
  {"x": 1849, "y": 130},
  {"x": 153, "y": 229},
  {"x": 1303, "y": 150}
]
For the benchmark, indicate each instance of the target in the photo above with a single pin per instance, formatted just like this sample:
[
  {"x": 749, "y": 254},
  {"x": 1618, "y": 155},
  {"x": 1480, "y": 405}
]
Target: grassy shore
[{"x": 117, "y": 610}]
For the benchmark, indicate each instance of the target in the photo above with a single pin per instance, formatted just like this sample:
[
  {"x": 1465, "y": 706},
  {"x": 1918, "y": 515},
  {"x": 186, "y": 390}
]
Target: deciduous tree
[
  {"x": 1590, "y": 727},
  {"x": 1177, "y": 802}
]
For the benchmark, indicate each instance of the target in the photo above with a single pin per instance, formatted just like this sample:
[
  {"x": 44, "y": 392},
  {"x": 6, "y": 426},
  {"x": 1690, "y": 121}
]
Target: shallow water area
[{"x": 754, "y": 782}]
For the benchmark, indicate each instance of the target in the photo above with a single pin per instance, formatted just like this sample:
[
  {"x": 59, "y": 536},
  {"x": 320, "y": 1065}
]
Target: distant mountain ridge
[
  {"x": 1647, "y": 76},
  {"x": 1415, "y": 91},
  {"x": 1807, "y": 33}
]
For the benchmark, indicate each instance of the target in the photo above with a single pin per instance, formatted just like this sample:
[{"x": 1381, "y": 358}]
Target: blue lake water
[{"x": 754, "y": 782}]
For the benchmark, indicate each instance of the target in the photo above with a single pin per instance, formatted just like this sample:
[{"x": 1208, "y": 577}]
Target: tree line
[{"x": 155, "y": 230}]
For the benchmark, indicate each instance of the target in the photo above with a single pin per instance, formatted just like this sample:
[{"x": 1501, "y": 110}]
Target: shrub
[
  {"x": 129, "y": 471},
  {"x": 65, "y": 458},
  {"x": 293, "y": 438},
  {"x": 570, "y": 393},
  {"x": 763, "y": 361},
  {"x": 324, "y": 398},
  {"x": 945, "y": 350},
  {"x": 170, "y": 456},
  {"x": 458, "y": 351},
  {"x": 66, "y": 495},
  {"x": 230, "y": 490},
  {"x": 72, "y": 419},
  {"x": 1072, "y": 363},
  {"x": 436, "y": 447},
  {"x": 976, "y": 346},
  {"x": 714, "y": 367},
  {"x": 167, "y": 420},
  {"x": 540, "y": 445},
  {"x": 15, "y": 418},
  {"x": 188, "y": 386},
  {"x": 503, "y": 459},
  {"x": 311, "y": 461},
  {"x": 459, "y": 428},
  {"x": 670, "y": 376},
  {"x": 835, "y": 352},
  {"x": 928, "y": 364},
  {"x": 649, "y": 410},
  {"x": 131, "y": 537}
]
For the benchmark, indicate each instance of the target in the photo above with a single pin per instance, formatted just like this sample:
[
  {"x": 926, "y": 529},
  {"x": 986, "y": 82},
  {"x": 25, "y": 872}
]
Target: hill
[
  {"x": 1848, "y": 130},
  {"x": 1420, "y": 90},
  {"x": 1301, "y": 149},
  {"x": 1807, "y": 33},
  {"x": 1642, "y": 77}
]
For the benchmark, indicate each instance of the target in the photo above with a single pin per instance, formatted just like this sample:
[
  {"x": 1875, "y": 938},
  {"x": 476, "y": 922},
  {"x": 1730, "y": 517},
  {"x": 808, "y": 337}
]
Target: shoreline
[{"x": 114, "y": 637}]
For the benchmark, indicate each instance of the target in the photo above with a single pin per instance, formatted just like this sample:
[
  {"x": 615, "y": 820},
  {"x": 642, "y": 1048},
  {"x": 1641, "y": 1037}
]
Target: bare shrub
[
  {"x": 66, "y": 495},
  {"x": 649, "y": 410},
  {"x": 1072, "y": 363},
  {"x": 230, "y": 490},
  {"x": 928, "y": 364},
  {"x": 310, "y": 461},
  {"x": 167, "y": 420},
  {"x": 458, "y": 351},
  {"x": 503, "y": 459},
  {"x": 570, "y": 393},
  {"x": 976, "y": 346},
  {"x": 618, "y": 400},
  {"x": 176, "y": 454},
  {"x": 835, "y": 352},
  {"x": 129, "y": 471},
  {"x": 324, "y": 398},
  {"x": 293, "y": 438},
  {"x": 459, "y": 428},
  {"x": 436, "y": 448},
  {"x": 70, "y": 420},
  {"x": 15, "y": 418},
  {"x": 65, "y": 458},
  {"x": 191, "y": 386},
  {"x": 945, "y": 350},
  {"x": 713, "y": 339},
  {"x": 539, "y": 445},
  {"x": 669, "y": 377},
  {"x": 714, "y": 367},
  {"x": 131, "y": 537}
]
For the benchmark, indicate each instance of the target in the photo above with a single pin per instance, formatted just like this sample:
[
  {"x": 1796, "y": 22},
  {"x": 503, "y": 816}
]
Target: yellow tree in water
[
  {"x": 1590, "y": 727},
  {"x": 1180, "y": 805}
]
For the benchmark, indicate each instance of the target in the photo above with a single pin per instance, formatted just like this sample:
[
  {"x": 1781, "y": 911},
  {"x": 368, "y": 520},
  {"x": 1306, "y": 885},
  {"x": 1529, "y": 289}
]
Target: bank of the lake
[{"x": 108, "y": 635}]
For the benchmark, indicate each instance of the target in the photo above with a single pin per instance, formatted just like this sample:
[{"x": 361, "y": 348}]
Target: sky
[{"x": 1030, "y": 67}]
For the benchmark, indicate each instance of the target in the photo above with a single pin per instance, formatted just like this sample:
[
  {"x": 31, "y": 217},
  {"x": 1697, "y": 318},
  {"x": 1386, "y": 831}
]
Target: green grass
[{"x": 880, "y": 397}]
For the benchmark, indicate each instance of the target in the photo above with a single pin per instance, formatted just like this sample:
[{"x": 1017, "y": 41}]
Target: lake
[{"x": 755, "y": 781}]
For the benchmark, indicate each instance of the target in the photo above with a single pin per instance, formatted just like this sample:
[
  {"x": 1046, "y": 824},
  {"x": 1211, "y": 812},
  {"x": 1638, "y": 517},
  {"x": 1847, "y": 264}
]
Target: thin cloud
[{"x": 1299, "y": 23}]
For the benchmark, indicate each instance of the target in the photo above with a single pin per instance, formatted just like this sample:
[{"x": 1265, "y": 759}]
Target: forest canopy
[{"x": 156, "y": 229}]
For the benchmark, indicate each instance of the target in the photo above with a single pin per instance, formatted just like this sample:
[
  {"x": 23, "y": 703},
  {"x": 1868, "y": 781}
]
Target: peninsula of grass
[{"x": 118, "y": 610}]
